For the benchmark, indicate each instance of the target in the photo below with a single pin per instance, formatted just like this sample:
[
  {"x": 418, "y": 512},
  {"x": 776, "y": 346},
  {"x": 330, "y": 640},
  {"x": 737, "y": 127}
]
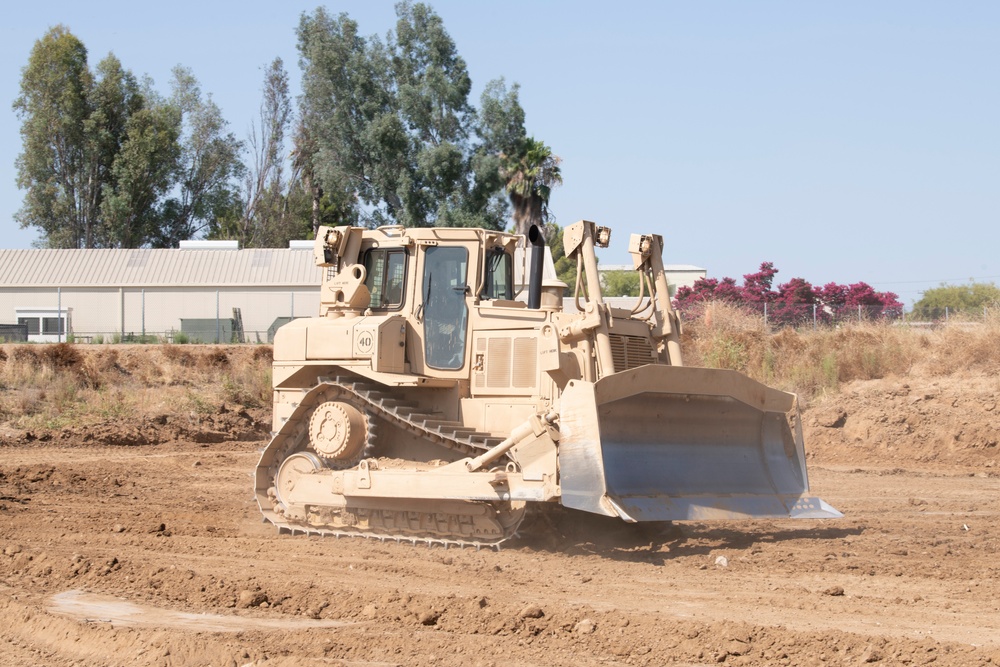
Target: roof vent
[{"x": 210, "y": 245}]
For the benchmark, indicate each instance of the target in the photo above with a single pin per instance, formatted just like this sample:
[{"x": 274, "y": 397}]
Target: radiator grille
[
  {"x": 631, "y": 352},
  {"x": 498, "y": 363},
  {"x": 525, "y": 357}
]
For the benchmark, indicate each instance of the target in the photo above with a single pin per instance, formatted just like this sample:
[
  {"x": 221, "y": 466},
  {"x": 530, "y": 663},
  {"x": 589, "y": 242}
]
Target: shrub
[
  {"x": 954, "y": 299},
  {"x": 61, "y": 356}
]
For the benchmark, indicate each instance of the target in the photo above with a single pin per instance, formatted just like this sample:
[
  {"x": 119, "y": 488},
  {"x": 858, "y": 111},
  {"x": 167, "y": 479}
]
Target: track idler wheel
[
  {"x": 292, "y": 468},
  {"x": 338, "y": 431}
]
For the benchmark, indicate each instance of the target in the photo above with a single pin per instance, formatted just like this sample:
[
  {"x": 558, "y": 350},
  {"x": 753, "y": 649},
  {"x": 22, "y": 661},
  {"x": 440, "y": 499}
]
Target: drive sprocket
[{"x": 338, "y": 431}]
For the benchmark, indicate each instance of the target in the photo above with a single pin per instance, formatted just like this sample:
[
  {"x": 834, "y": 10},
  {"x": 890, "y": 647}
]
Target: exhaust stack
[{"x": 537, "y": 265}]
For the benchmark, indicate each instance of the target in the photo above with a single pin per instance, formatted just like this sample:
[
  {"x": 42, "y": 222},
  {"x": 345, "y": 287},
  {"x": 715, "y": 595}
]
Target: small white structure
[{"x": 45, "y": 325}]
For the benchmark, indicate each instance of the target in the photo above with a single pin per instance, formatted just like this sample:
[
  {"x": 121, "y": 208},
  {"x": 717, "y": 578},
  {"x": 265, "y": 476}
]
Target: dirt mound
[
  {"x": 949, "y": 420},
  {"x": 134, "y": 395},
  {"x": 228, "y": 424}
]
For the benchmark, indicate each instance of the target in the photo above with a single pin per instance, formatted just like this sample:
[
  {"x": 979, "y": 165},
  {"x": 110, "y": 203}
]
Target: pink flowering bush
[{"x": 794, "y": 303}]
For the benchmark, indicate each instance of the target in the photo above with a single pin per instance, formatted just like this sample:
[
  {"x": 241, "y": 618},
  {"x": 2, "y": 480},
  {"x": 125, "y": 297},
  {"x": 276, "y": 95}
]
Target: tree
[
  {"x": 952, "y": 299},
  {"x": 142, "y": 174},
  {"x": 620, "y": 283},
  {"x": 308, "y": 200},
  {"x": 61, "y": 200},
  {"x": 757, "y": 286},
  {"x": 271, "y": 214},
  {"x": 794, "y": 303},
  {"x": 529, "y": 176},
  {"x": 500, "y": 120},
  {"x": 102, "y": 153},
  {"x": 387, "y": 126},
  {"x": 565, "y": 267},
  {"x": 708, "y": 289},
  {"x": 349, "y": 111},
  {"x": 847, "y": 301},
  {"x": 209, "y": 164}
]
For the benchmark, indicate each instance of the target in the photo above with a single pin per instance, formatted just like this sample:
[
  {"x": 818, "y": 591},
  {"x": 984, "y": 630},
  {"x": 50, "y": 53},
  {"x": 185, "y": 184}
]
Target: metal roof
[{"x": 146, "y": 267}]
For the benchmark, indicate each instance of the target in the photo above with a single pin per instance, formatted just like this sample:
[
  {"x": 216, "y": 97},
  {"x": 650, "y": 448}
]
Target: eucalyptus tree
[
  {"x": 107, "y": 162},
  {"x": 58, "y": 159},
  {"x": 387, "y": 125},
  {"x": 141, "y": 175},
  {"x": 266, "y": 218},
  {"x": 208, "y": 169}
]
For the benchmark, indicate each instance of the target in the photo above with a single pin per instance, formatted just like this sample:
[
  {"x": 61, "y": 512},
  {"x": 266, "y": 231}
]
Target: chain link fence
[{"x": 799, "y": 316}]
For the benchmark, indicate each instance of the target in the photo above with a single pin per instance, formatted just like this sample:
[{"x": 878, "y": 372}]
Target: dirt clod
[
  {"x": 532, "y": 611},
  {"x": 428, "y": 616},
  {"x": 248, "y": 599}
]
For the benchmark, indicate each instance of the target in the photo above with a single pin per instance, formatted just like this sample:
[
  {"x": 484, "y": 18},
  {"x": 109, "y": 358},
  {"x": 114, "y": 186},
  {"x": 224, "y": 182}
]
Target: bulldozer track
[{"x": 396, "y": 520}]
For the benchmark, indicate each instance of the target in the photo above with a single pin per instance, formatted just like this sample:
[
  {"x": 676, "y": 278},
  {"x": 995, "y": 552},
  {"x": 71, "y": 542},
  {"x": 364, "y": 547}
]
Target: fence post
[
  {"x": 59, "y": 320},
  {"x": 765, "y": 314},
  {"x": 143, "y": 314},
  {"x": 121, "y": 309},
  {"x": 218, "y": 322},
  {"x": 814, "y": 316},
  {"x": 946, "y": 313}
]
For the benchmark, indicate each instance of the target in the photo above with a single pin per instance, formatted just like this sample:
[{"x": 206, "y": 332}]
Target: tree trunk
[{"x": 522, "y": 213}]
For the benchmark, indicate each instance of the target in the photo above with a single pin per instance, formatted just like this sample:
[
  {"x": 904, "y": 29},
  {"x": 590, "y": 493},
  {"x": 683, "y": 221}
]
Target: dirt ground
[{"x": 118, "y": 547}]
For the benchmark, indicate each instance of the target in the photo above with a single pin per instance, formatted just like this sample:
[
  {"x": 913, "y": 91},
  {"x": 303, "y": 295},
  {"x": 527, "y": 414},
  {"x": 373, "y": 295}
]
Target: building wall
[{"x": 106, "y": 311}]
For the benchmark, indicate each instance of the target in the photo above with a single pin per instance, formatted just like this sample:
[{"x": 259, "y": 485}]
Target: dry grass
[
  {"x": 811, "y": 362},
  {"x": 54, "y": 386}
]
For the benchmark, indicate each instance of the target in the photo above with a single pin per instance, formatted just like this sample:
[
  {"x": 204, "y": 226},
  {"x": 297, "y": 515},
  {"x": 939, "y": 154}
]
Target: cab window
[
  {"x": 499, "y": 275},
  {"x": 386, "y": 269}
]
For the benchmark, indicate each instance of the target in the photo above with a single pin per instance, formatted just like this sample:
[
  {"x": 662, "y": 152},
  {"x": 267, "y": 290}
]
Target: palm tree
[{"x": 529, "y": 177}]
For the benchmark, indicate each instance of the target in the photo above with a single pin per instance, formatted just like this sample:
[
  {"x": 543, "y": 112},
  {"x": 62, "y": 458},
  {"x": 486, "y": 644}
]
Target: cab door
[{"x": 445, "y": 311}]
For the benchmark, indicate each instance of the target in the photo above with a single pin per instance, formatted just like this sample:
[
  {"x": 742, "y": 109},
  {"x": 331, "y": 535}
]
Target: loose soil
[{"x": 141, "y": 544}]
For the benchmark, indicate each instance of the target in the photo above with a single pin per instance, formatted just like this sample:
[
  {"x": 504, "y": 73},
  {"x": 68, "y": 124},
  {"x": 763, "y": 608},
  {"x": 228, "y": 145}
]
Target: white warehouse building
[{"x": 209, "y": 291}]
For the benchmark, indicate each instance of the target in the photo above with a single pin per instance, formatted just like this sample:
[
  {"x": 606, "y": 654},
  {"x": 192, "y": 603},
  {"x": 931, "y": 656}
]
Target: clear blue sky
[{"x": 843, "y": 141}]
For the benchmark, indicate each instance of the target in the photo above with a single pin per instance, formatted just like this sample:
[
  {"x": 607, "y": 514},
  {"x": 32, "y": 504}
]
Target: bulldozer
[{"x": 434, "y": 398}]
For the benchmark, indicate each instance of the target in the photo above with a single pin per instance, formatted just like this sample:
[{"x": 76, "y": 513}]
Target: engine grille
[
  {"x": 631, "y": 351},
  {"x": 510, "y": 362}
]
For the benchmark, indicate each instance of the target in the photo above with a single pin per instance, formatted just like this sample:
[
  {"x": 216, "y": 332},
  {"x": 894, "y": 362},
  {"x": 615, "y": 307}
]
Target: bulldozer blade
[{"x": 666, "y": 443}]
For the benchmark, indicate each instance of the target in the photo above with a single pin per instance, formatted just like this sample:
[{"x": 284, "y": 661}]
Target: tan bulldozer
[{"x": 430, "y": 402}]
